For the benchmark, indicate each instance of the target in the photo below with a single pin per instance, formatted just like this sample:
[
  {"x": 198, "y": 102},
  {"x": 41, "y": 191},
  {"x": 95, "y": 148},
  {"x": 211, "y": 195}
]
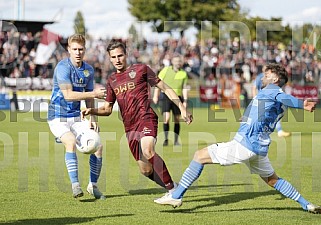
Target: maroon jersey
[{"x": 131, "y": 90}]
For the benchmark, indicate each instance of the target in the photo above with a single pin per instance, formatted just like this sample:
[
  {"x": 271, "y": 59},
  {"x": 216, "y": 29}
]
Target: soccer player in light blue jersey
[
  {"x": 251, "y": 143},
  {"x": 257, "y": 86},
  {"x": 73, "y": 81}
]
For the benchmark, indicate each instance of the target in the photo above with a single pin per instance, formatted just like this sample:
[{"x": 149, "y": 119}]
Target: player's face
[
  {"x": 269, "y": 78},
  {"x": 118, "y": 59},
  {"x": 77, "y": 52}
]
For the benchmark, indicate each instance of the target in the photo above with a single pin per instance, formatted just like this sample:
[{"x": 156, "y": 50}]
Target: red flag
[{"x": 46, "y": 47}]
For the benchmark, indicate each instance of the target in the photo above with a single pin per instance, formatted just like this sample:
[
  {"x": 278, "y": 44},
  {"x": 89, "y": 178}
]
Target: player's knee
[
  {"x": 198, "y": 156},
  {"x": 148, "y": 153},
  {"x": 202, "y": 156},
  {"x": 70, "y": 145},
  {"x": 69, "y": 141}
]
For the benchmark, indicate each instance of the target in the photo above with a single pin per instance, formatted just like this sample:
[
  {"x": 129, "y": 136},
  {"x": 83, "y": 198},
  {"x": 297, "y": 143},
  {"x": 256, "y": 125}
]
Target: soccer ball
[{"x": 88, "y": 141}]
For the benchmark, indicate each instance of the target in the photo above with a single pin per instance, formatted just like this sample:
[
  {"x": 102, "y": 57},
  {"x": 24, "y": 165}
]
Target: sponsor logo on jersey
[
  {"x": 86, "y": 73},
  {"x": 79, "y": 83},
  {"x": 132, "y": 74},
  {"x": 146, "y": 130},
  {"x": 124, "y": 87}
]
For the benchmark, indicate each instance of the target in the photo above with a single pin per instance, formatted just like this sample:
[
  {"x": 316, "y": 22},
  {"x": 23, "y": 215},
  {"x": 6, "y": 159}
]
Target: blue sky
[{"x": 111, "y": 18}]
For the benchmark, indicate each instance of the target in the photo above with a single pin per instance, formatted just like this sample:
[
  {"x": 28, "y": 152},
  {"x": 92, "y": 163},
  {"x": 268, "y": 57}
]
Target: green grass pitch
[{"x": 35, "y": 189}]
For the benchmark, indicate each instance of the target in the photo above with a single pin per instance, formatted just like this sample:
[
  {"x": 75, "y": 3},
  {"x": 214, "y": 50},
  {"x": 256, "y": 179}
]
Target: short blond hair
[{"x": 78, "y": 38}]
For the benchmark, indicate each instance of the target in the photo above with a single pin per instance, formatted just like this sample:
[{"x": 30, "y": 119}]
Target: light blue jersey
[
  {"x": 81, "y": 79},
  {"x": 261, "y": 116}
]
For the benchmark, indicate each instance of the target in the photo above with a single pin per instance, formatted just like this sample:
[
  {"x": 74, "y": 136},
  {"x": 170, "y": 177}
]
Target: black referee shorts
[{"x": 167, "y": 105}]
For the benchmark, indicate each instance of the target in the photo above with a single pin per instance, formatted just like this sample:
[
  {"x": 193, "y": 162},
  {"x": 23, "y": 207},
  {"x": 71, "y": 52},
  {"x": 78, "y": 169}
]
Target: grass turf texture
[{"x": 35, "y": 188}]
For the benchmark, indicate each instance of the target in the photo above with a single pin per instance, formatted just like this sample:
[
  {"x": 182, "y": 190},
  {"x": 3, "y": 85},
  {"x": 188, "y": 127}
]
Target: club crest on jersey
[
  {"x": 86, "y": 73},
  {"x": 132, "y": 74}
]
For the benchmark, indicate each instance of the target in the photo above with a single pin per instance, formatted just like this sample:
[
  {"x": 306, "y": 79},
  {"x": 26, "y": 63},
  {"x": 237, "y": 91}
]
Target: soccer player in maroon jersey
[{"x": 129, "y": 85}]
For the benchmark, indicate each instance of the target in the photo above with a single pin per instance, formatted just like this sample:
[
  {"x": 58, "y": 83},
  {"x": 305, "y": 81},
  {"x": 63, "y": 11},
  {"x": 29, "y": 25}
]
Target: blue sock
[
  {"x": 193, "y": 171},
  {"x": 289, "y": 191},
  {"x": 72, "y": 166},
  {"x": 95, "y": 165}
]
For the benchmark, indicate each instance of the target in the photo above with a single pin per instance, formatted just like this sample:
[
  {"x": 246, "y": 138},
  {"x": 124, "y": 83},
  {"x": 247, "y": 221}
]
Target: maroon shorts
[{"x": 143, "y": 129}]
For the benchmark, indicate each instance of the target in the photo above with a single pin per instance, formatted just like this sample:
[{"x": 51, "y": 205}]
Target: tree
[
  {"x": 133, "y": 33},
  {"x": 79, "y": 24},
  {"x": 167, "y": 15}
]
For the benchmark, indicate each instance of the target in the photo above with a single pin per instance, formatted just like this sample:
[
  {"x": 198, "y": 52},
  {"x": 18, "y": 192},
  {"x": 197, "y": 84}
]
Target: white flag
[{"x": 46, "y": 47}]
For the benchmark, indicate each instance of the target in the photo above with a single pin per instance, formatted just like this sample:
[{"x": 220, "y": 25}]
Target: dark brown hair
[
  {"x": 113, "y": 44},
  {"x": 279, "y": 71}
]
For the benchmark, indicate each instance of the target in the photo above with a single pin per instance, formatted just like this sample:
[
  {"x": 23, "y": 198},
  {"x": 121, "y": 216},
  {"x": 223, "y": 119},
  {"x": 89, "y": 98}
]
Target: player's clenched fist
[{"x": 309, "y": 105}]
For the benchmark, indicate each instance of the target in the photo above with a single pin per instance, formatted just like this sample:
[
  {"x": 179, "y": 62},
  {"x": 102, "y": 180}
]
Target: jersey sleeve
[
  {"x": 152, "y": 78},
  {"x": 289, "y": 100},
  {"x": 111, "y": 97},
  {"x": 63, "y": 74},
  {"x": 162, "y": 73}
]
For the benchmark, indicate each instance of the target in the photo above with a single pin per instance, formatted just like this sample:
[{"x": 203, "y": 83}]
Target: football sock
[
  {"x": 289, "y": 191},
  {"x": 166, "y": 129},
  {"x": 95, "y": 165},
  {"x": 154, "y": 177},
  {"x": 193, "y": 171},
  {"x": 161, "y": 170},
  {"x": 176, "y": 131},
  {"x": 72, "y": 166}
]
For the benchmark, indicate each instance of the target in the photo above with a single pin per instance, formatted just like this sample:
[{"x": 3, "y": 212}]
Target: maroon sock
[
  {"x": 161, "y": 171},
  {"x": 154, "y": 177}
]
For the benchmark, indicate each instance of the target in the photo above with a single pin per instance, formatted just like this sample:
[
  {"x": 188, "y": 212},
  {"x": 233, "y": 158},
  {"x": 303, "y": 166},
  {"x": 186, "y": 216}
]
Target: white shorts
[
  {"x": 233, "y": 152},
  {"x": 60, "y": 126}
]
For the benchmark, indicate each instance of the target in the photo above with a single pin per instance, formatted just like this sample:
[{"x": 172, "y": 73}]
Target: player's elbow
[{"x": 105, "y": 111}]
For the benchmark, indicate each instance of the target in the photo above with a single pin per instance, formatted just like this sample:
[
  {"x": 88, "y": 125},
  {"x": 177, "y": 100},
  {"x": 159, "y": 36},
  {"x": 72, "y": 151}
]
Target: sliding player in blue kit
[{"x": 251, "y": 143}]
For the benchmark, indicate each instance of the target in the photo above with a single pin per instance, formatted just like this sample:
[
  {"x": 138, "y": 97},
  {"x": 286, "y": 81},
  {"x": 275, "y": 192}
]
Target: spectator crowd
[{"x": 208, "y": 60}]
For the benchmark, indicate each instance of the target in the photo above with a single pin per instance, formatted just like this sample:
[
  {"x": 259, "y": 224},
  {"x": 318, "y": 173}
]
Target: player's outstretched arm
[
  {"x": 105, "y": 110},
  {"x": 71, "y": 95},
  {"x": 187, "y": 116}
]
